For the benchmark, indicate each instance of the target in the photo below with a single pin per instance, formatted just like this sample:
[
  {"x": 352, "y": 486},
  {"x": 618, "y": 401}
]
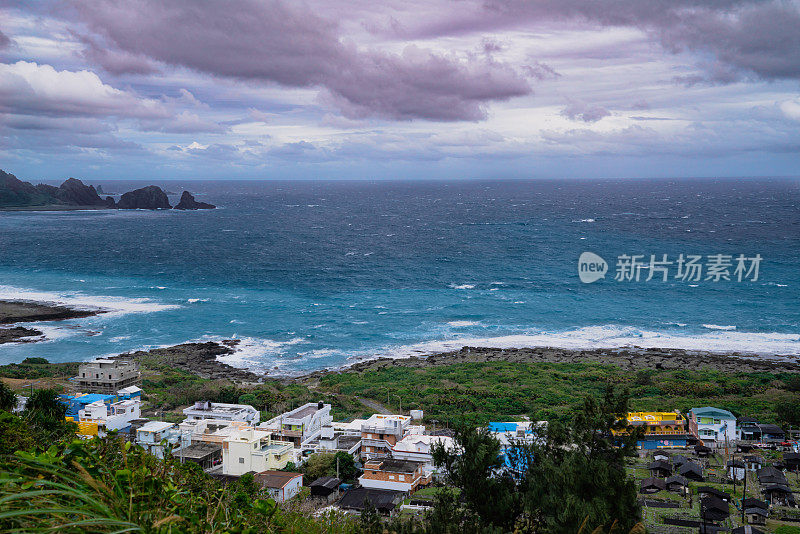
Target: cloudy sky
[{"x": 214, "y": 89}]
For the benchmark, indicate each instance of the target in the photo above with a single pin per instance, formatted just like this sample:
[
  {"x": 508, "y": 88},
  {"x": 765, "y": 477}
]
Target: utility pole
[
  {"x": 744, "y": 491},
  {"x": 337, "y": 468}
]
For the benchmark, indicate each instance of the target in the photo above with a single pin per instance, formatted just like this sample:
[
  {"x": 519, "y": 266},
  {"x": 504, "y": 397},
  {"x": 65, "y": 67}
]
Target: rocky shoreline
[
  {"x": 201, "y": 359},
  {"x": 197, "y": 358},
  {"x": 19, "y": 334},
  {"x": 22, "y": 311},
  {"x": 632, "y": 359}
]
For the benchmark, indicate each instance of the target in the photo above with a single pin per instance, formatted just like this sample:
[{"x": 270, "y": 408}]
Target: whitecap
[
  {"x": 462, "y": 286},
  {"x": 459, "y": 324},
  {"x": 115, "y": 306},
  {"x": 719, "y": 327}
]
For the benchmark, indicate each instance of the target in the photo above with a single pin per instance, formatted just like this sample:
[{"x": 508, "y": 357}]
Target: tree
[
  {"x": 789, "y": 411},
  {"x": 576, "y": 474},
  {"x": 318, "y": 465},
  {"x": 8, "y": 399},
  {"x": 475, "y": 467},
  {"x": 44, "y": 404},
  {"x": 347, "y": 467}
]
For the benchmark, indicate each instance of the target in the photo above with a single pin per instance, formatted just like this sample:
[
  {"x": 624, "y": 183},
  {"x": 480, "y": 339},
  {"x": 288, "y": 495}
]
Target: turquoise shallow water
[{"x": 313, "y": 275}]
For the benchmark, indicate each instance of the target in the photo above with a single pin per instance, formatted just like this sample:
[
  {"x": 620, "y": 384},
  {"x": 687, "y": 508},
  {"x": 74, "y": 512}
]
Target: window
[
  {"x": 391, "y": 477},
  {"x": 241, "y": 460}
]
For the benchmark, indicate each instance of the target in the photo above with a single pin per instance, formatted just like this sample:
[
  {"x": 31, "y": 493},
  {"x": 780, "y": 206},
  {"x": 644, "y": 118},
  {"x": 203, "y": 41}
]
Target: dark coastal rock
[
  {"x": 18, "y": 334},
  {"x": 151, "y": 197},
  {"x": 197, "y": 358},
  {"x": 49, "y": 190},
  {"x": 110, "y": 202},
  {"x": 14, "y": 192},
  {"x": 76, "y": 193},
  {"x": 632, "y": 359},
  {"x": 17, "y": 311},
  {"x": 189, "y": 203}
]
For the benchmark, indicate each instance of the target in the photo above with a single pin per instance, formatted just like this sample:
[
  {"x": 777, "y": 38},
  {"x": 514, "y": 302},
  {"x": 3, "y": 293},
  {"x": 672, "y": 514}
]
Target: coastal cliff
[{"x": 16, "y": 194}]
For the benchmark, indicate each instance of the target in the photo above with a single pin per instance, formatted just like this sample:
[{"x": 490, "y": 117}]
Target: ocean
[{"x": 313, "y": 275}]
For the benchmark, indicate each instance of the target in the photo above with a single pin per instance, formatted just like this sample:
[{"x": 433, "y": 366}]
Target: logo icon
[{"x": 591, "y": 267}]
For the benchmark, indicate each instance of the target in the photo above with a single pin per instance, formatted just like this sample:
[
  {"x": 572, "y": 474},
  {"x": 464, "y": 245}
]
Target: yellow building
[
  {"x": 247, "y": 449},
  {"x": 661, "y": 429}
]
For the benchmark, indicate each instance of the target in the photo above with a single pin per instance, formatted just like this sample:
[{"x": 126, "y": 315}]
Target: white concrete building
[
  {"x": 151, "y": 435},
  {"x": 219, "y": 410},
  {"x": 419, "y": 448},
  {"x": 248, "y": 450},
  {"x": 115, "y": 416},
  {"x": 300, "y": 425}
]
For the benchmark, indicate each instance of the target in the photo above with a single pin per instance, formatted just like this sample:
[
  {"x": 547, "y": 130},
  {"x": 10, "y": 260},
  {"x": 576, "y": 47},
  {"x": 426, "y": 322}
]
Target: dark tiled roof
[
  {"x": 327, "y": 482},
  {"x": 715, "y": 492},
  {"x": 750, "y": 502},
  {"x": 383, "y": 500},
  {"x": 677, "y": 479},
  {"x": 397, "y": 466}
]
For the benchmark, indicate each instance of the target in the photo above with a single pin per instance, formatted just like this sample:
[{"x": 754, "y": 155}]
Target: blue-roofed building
[
  {"x": 512, "y": 433},
  {"x": 76, "y": 403}
]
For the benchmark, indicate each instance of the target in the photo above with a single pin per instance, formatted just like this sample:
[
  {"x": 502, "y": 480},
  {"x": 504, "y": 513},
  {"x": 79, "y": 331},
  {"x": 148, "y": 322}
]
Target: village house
[
  {"x": 661, "y": 429},
  {"x": 206, "y": 455},
  {"x": 96, "y": 418},
  {"x": 753, "y": 431},
  {"x": 106, "y": 376},
  {"x": 677, "y": 484},
  {"x": 792, "y": 461},
  {"x": 247, "y": 449},
  {"x": 660, "y": 468},
  {"x": 391, "y": 474},
  {"x": 384, "y": 501},
  {"x": 300, "y": 425},
  {"x": 715, "y": 427},
  {"x": 381, "y": 432},
  {"x": 218, "y": 410},
  {"x": 325, "y": 488},
  {"x": 756, "y": 511},
  {"x": 280, "y": 485},
  {"x": 333, "y": 439},
  {"x": 208, "y": 430},
  {"x": 419, "y": 448},
  {"x": 151, "y": 435},
  {"x": 652, "y": 485},
  {"x": 714, "y": 509},
  {"x": 691, "y": 471}
]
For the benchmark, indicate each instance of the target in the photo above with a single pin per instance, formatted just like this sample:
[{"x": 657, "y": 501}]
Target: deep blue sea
[{"x": 318, "y": 274}]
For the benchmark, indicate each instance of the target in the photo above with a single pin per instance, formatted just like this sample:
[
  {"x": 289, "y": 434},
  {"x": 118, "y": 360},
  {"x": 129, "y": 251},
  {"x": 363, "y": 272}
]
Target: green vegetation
[
  {"x": 481, "y": 392},
  {"x": 577, "y": 481},
  {"x": 38, "y": 368},
  {"x": 107, "y": 485},
  {"x": 324, "y": 465}
]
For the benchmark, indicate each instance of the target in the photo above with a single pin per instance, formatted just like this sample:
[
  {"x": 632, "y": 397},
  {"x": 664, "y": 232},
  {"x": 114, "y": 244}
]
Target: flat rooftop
[{"x": 303, "y": 411}]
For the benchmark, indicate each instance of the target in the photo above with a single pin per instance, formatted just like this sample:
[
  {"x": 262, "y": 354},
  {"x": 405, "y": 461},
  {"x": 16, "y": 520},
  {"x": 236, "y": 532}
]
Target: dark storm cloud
[
  {"x": 5, "y": 41},
  {"x": 753, "y": 37},
  {"x": 290, "y": 45}
]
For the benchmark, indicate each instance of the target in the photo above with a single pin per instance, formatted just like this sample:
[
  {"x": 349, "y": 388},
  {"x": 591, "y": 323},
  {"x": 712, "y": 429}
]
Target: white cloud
[
  {"x": 27, "y": 87},
  {"x": 791, "y": 108}
]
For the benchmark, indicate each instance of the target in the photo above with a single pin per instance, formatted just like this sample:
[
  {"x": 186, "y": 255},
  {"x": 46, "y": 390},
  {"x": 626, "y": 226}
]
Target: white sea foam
[
  {"x": 462, "y": 286},
  {"x": 719, "y": 327},
  {"x": 459, "y": 324},
  {"x": 585, "y": 220},
  {"x": 257, "y": 353},
  {"x": 615, "y": 336},
  {"x": 115, "y": 306}
]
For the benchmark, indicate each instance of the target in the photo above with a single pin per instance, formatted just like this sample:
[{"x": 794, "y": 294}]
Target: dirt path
[{"x": 373, "y": 405}]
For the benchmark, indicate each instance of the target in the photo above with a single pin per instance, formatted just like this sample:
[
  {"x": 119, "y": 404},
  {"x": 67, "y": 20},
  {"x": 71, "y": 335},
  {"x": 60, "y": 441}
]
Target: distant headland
[{"x": 75, "y": 195}]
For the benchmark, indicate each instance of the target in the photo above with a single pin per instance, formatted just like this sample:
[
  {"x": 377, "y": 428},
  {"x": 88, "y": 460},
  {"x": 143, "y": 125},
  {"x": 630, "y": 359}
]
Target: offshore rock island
[{"x": 73, "y": 194}]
